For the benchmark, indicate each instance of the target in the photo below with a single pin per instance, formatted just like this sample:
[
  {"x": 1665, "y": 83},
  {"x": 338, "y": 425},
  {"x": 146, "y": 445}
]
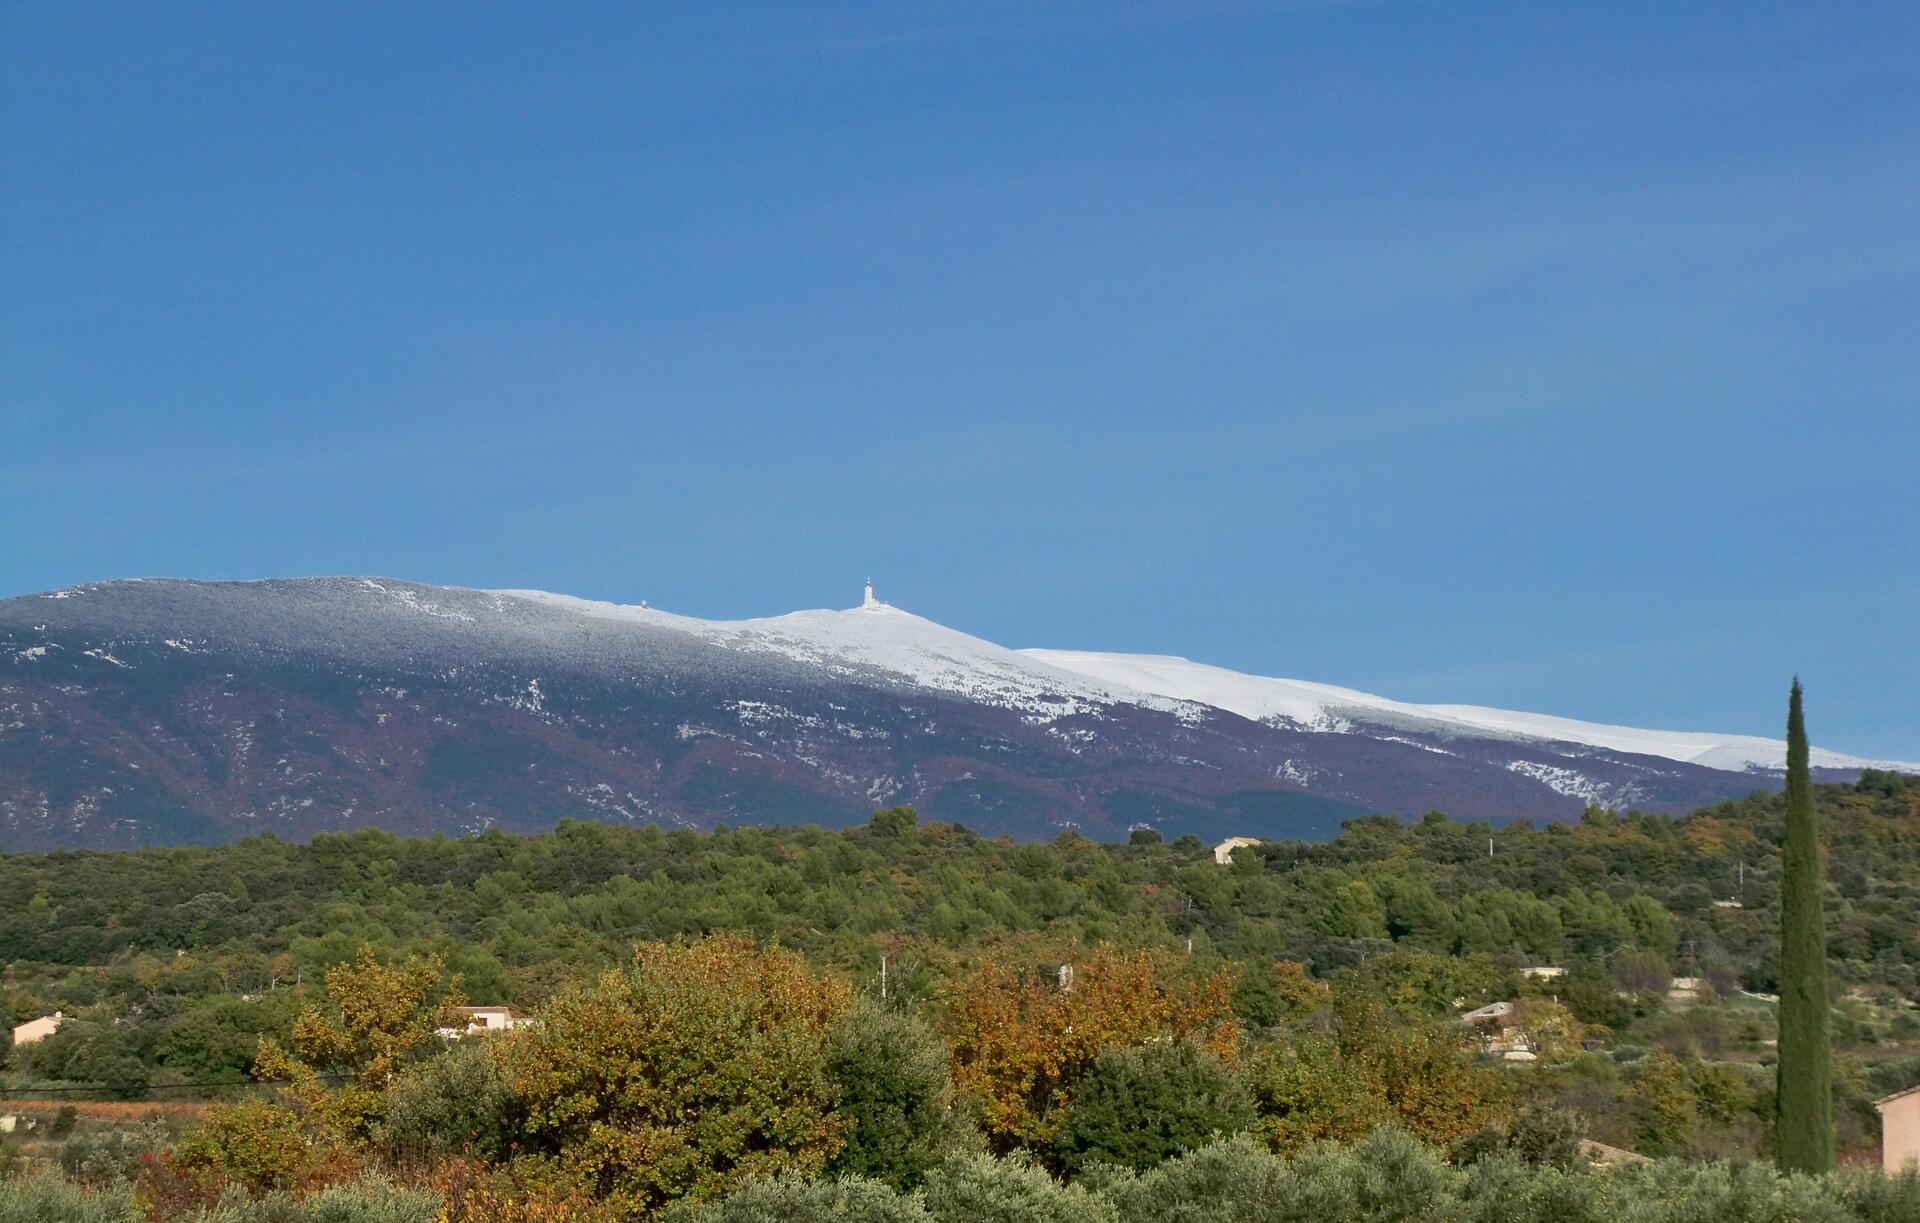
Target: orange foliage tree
[
  {"x": 1375, "y": 1066},
  {"x": 1020, "y": 1040},
  {"x": 1299, "y": 994}
]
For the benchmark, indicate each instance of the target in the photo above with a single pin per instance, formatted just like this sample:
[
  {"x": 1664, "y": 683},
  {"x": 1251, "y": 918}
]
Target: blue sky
[{"x": 1555, "y": 356}]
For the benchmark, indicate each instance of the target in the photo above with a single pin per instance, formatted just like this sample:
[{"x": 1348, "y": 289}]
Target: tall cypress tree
[{"x": 1803, "y": 1107}]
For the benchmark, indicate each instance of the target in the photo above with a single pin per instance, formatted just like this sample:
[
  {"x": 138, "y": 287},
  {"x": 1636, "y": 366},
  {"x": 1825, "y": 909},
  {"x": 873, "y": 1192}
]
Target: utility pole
[{"x": 883, "y": 976}]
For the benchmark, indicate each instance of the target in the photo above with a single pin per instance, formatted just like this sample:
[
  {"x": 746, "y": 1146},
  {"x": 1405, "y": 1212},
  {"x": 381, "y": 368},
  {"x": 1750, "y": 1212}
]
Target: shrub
[
  {"x": 1138, "y": 1107},
  {"x": 1873, "y": 1198},
  {"x": 526, "y": 1190},
  {"x": 1670, "y": 1191},
  {"x": 253, "y": 1144},
  {"x": 789, "y": 1199},
  {"x": 892, "y": 1075},
  {"x": 462, "y": 1102},
  {"x": 1225, "y": 1182},
  {"x": 368, "y": 1201},
  {"x": 977, "y": 1188},
  {"x": 110, "y": 1156},
  {"x": 1506, "y": 1188},
  {"x": 48, "y": 1199},
  {"x": 1387, "y": 1177}
]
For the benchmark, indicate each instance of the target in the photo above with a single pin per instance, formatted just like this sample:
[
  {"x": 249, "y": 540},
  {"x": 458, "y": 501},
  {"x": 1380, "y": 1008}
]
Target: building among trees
[
  {"x": 1223, "y": 852},
  {"x": 36, "y": 1030},
  {"x": 1899, "y": 1129}
]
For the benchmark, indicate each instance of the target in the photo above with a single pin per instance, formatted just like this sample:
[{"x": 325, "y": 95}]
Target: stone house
[
  {"x": 1899, "y": 1129},
  {"x": 1223, "y": 852},
  {"x": 37, "y": 1029},
  {"x": 1500, "y": 1034},
  {"x": 485, "y": 1021}
]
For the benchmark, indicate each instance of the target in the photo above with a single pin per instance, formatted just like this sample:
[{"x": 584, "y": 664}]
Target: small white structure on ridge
[{"x": 869, "y": 600}]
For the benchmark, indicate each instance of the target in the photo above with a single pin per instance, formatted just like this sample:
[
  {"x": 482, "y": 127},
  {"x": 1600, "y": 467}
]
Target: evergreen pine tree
[{"x": 1803, "y": 1109}]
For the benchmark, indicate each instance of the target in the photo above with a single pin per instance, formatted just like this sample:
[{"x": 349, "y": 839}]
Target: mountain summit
[{"x": 158, "y": 710}]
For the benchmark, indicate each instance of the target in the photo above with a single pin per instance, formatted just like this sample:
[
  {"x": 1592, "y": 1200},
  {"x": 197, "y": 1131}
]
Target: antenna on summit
[{"x": 869, "y": 600}]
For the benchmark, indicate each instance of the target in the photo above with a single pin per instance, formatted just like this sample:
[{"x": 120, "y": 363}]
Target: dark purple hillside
[{"x": 160, "y": 711}]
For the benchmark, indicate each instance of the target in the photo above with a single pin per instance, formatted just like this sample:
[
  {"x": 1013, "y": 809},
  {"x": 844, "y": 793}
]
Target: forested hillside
[
  {"x": 1315, "y": 990},
  {"x": 515, "y": 914}
]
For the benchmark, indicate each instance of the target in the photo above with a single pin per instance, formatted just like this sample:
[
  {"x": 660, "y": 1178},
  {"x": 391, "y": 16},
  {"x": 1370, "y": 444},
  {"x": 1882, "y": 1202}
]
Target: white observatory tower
[{"x": 868, "y": 600}]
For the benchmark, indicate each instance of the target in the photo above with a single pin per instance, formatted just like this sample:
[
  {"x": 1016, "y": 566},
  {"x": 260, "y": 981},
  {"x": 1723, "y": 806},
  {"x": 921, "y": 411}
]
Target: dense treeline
[
  {"x": 508, "y": 905},
  {"x": 515, "y": 916},
  {"x": 1072, "y": 1012}
]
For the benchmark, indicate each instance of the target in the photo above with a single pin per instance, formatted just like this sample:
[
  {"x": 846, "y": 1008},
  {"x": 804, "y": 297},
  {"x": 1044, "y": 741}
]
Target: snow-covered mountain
[
  {"x": 878, "y": 642},
  {"x": 1328, "y": 708},
  {"x": 161, "y": 710}
]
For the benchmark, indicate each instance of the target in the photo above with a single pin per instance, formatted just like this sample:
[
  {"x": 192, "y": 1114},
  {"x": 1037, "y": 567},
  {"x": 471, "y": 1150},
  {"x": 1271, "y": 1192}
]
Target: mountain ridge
[
  {"x": 1309, "y": 702},
  {"x": 168, "y": 710}
]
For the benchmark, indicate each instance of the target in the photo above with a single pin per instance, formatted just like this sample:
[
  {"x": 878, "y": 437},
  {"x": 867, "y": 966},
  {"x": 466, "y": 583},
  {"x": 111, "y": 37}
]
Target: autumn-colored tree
[
  {"x": 475, "y": 1191},
  {"x": 254, "y": 1144},
  {"x": 1709, "y": 836},
  {"x": 1308, "y": 1093},
  {"x": 1665, "y": 1108},
  {"x": 1020, "y": 1039},
  {"x": 1373, "y": 1067},
  {"x": 700, "y": 1063},
  {"x": 1300, "y": 995},
  {"x": 345, "y": 1054}
]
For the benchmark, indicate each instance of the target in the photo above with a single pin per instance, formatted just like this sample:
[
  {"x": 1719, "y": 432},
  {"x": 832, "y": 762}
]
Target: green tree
[
  {"x": 892, "y": 1074},
  {"x": 461, "y": 1102},
  {"x": 1803, "y": 1104},
  {"x": 1138, "y": 1107},
  {"x": 894, "y": 822},
  {"x": 1423, "y": 983}
]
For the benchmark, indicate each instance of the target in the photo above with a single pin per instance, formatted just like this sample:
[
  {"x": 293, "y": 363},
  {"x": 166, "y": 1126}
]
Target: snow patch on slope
[
  {"x": 858, "y": 642},
  {"x": 1324, "y": 707}
]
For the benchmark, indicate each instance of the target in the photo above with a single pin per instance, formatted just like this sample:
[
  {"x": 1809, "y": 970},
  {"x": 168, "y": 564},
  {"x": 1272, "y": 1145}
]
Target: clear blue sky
[{"x": 1557, "y": 356}]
